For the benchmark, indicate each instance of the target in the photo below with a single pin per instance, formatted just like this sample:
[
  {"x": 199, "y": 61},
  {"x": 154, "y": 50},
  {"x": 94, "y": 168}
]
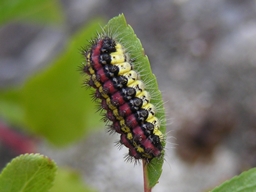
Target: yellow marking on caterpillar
[
  {"x": 102, "y": 92},
  {"x": 138, "y": 148},
  {"x": 116, "y": 114},
  {"x": 114, "y": 109},
  {"x": 123, "y": 67},
  {"x": 88, "y": 57},
  {"x": 155, "y": 122},
  {"x": 124, "y": 127},
  {"x": 150, "y": 108},
  {"x": 129, "y": 136},
  {"x": 159, "y": 134},
  {"x": 131, "y": 76},
  {"x": 145, "y": 96},
  {"x": 94, "y": 79},
  {"x": 109, "y": 104},
  {"x": 117, "y": 57},
  {"x": 138, "y": 85},
  {"x": 119, "y": 48},
  {"x": 91, "y": 70}
]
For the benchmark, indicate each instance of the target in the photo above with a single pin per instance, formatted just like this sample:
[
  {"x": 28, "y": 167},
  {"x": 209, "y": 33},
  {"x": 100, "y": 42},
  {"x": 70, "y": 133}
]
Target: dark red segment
[
  {"x": 131, "y": 121},
  {"x": 125, "y": 110},
  {"x": 95, "y": 55},
  {"x": 116, "y": 126},
  {"x": 117, "y": 99},
  {"x": 109, "y": 87},
  {"x": 120, "y": 97},
  {"x": 110, "y": 115},
  {"x": 132, "y": 150},
  {"x": 104, "y": 104},
  {"x": 125, "y": 141},
  {"x": 150, "y": 148},
  {"x": 130, "y": 107},
  {"x": 137, "y": 118},
  {"x": 134, "y": 153},
  {"x": 101, "y": 76},
  {"x": 142, "y": 132},
  {"x": 108, "y": 72},
  {"x": 150, "y": 142},
  {"x": 138, "y": 134}
]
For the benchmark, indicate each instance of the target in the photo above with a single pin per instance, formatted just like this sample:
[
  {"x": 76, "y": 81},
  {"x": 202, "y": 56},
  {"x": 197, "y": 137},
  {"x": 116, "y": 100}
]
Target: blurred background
[{"x": 202, "y": 53}]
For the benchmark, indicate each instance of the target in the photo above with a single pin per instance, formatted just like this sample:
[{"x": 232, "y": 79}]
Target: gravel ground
[{"x": 203, "y": 54}]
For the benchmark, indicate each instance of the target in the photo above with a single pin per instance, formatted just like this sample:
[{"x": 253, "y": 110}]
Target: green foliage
[
  {"x": 119, "y": 28},
  {"x": 28, "y": 173},
  {"x": 37, "y": 173},
  {"x": 245, "y": 182},
  {"x": 34, "y": 10},
  {"x": 56, "y": 105},
  {"x": 67, "y": 180},
  {"x": 11, "y": 107},
  {"x": 53, "y": 103}
]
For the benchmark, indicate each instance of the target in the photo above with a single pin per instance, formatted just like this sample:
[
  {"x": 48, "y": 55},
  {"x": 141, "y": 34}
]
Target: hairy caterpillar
[{"x": 123, "y": 96}]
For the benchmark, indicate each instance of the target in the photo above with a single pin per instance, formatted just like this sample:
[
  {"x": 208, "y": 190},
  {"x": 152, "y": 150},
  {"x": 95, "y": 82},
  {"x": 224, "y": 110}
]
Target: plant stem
[{"x": 145, "y": 177}]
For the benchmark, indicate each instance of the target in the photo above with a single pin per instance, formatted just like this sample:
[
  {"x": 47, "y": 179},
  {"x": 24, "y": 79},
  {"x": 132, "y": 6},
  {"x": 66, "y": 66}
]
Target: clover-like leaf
[
  {"x": 28, "y": 173},
  {"x": 245, "y": 182}
]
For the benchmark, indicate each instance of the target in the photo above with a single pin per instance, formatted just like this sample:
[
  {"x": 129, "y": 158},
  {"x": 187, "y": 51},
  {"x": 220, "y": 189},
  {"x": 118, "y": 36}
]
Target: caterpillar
[{"x": 123, "y": 96}]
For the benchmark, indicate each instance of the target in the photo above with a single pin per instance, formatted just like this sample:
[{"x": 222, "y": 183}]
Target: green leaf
[
  {"x": 245, "y": 182},
  {"x": 28, "y": 173},
  {"x": 67, "y": 180},
  {"x": 37, "y": 10},
  {"x": 118, "y": 28},
  {"x": 56, "y": 105},
  {"x": 53, "y": 102},
  {"x": 11, "y": 109}
]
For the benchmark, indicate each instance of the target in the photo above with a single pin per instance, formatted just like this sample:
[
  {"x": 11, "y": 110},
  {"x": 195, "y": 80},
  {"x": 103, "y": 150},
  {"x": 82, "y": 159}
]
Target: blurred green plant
[
  {"x": 67, "y": 180},
  {"x": 52, "y": 103},
  {"x": 27, "y": 173},
  {"x": 47, "y": 11},
  {"x": 38, "y": 173},
  {"x": 245, "y": 182}
]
